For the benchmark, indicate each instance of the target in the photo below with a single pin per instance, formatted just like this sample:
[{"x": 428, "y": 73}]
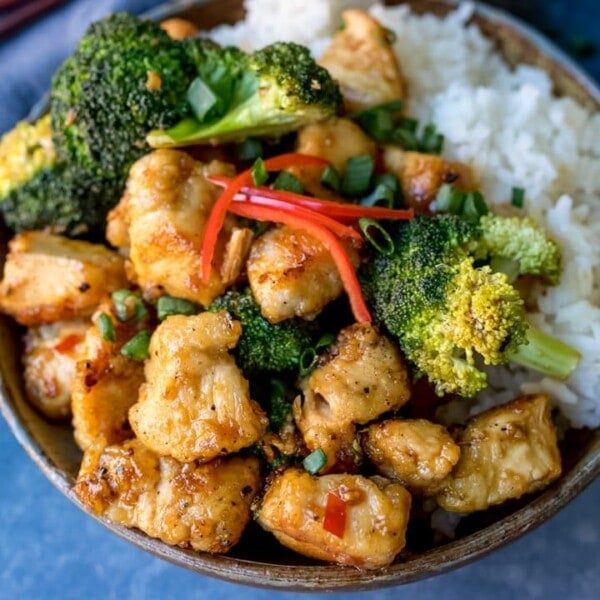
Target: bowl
[{"x": 258, "y": 560}]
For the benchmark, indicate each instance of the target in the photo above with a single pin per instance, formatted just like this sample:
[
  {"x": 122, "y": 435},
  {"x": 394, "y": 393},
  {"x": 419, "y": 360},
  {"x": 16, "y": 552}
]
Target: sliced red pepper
[
  {"x": 335, "y": 210},
  {"x": 68, "y": 343},
  {"x": 215, "y": 221},
  {"x": 335, "y": 515},
  {"x": 334, "y": 226},
  {"x": 326, "y": 237}
]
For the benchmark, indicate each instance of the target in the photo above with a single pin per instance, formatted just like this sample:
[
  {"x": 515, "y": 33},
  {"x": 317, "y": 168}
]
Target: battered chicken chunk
[
  {"x": 292, "y": 274},
  {"x": 373, "y": 529},
  {"x": 205, "y": 506},
  {"x": 415, "y": 452},
  {"x": 51, "y": 354},
  {"x": 361, "y": 58},
  {"x": 160, "y": 222},
  {"x": 361, "y": 376},
  {"x": 51, "y": 278},
  {"x": 106, "y": 384},
  {"x": 422, "y": 175},
  {"x": 335, "y": 140},
  {"x": 507, "y": 451},
  {"x": 195, "y": 403}
]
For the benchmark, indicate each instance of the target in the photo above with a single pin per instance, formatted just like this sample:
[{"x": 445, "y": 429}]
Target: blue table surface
[{"x": 50, "y": 549}]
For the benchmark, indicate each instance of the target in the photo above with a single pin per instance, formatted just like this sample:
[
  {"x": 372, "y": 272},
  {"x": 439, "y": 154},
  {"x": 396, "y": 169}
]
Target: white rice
[{"x": 509, "y": 127}]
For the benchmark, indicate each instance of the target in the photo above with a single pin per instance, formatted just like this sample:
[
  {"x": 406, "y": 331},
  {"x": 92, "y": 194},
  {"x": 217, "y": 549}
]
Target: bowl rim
[{"x": 328, "y": 577}]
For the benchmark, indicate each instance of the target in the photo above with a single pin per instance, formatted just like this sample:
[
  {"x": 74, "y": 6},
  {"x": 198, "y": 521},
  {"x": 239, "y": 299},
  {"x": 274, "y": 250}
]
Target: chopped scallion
[
  {"x": 288, "y": 182},
  {"x": 382, "y": 195},
  {"x": 128, "y": 306},
  {"x": 324, "y": 341},
  {"x": 249, "y": 149},
  {"x": 315, "y": 461},
  {"x": 307, "y": 361},
  {"x": 331, "y": 179},
  {"x": 357, "y": 179},
  {"x": 259, "y": 172},
  {"x": 517, "y": 197},
  {"x": 377, "y": 236},
  {"x": 168, "y": 305},
  {"x": 200, "y": 98},
  {"x": 474, "y": 206},
  {"x": 106, "y": 328},
  {"x": 137, "y": 347}
]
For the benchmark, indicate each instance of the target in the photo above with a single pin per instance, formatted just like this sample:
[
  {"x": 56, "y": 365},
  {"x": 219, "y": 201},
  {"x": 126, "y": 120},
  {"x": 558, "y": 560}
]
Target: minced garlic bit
[{"x": 153, "y": 81}]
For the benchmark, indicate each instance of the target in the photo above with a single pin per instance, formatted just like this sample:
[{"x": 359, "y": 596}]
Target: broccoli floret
[
  {"x": 268, "y": 93},
  {"x": 265, "y": 347},
  {"x": 125, "y": 78},
  {"x": 24, "y": 150},
  {"x": 520, "y": 239},
  {"x": 68, "y": 199},
  {"x": 445, "y": 312}
]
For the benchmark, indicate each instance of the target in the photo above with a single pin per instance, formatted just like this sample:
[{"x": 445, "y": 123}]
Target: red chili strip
[
  {"x": 331, "y": 242},
  {"x": 336, "y": 210},
  {"x": 335, "y": 515},
  {"x": 68, "y": 343},
  {"x": 334, "y": 226},
  {"x": 215, "y": 221}
]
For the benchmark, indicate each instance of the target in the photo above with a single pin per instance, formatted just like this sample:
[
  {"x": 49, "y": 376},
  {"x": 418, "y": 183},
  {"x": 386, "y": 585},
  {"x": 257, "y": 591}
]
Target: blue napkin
[{"x": 30, "y": 56}]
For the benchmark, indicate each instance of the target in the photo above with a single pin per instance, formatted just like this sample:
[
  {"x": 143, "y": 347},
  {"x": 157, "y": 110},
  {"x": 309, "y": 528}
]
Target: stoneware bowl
[{"x": 257, "y": 560}]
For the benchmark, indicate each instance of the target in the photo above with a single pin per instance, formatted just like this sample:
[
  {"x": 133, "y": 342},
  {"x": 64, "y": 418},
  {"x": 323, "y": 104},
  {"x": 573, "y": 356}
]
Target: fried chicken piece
[
  {"x": 196, "y": 403},
  {"x": 422, "y": 175},
  {"x": 160, "y": 222},
  {"x": 292, "y": 274},
  {"x": 335, "y": 140},
  {"x": 50, "y": 278},
  {"x": 106, "y": 383},
  {"x": 294, "y": 510},
  {"x": 361, "y": 58},
  {"x": 506, "y": 451},
  {"x": 361, "y": 376},
  {"x": 203, "y": 506},
  {"x": 415, "y": 452},
  {"x": 50, "y": 357}
]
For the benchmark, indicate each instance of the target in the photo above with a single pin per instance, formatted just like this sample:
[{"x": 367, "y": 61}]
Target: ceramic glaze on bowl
[{"x": 258, "y": 560}]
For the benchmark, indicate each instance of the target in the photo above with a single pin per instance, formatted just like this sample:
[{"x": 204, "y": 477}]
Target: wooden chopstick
[{"x": 22, "y": 13}]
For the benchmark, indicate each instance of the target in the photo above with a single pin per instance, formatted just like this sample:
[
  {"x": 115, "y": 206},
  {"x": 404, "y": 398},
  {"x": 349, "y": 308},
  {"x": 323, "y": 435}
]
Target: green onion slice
[
  {"x": 377, "y": 236},
  {"x": 474, "y": 206},
  {"x": 382, "y": 195},
  {"x": 200, "y": 98},
  {"x": 137, "y": 347},
  {"x": 509, "y": 266},
  {"x": 307, "y": 361},
  {"x": 324, "y": 341},
  {"x": 106, "y": 328},
  {"x": 517, "y": 197},
  {"x": 331, "y": 179},
  {"x": 315, "y": 461},
  {"x": 128, "y": 306},
  {"x": 357, "y": 179},
  {"x": 168, "y": 305},
  {"x": 259, "y": 172},
  {"x": 288, "y": 182},
  {"x": 249, "y": 149}
]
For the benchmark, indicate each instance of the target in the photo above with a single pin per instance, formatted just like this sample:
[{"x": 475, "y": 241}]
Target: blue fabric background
[{"x": 49, "y": 549}]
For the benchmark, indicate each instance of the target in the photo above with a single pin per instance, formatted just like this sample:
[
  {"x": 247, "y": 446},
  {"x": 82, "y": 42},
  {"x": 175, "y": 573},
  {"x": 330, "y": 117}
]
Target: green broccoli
[
  {"x": 265, "y": 347},
  {"x": 69, "y": 199},
  {"x": 24, "y": 151},
  {"x": 445, "y": 312},
  {"x": 36, "y": 191},
  {"x": 521, "y": 240},
  {"x": 268, "y": 93},
  {"x": 125, "y": 78}
]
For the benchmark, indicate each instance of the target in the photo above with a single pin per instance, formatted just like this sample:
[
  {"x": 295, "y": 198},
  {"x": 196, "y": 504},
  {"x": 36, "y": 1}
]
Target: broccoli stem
[{"x": 546, "y": 354}]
